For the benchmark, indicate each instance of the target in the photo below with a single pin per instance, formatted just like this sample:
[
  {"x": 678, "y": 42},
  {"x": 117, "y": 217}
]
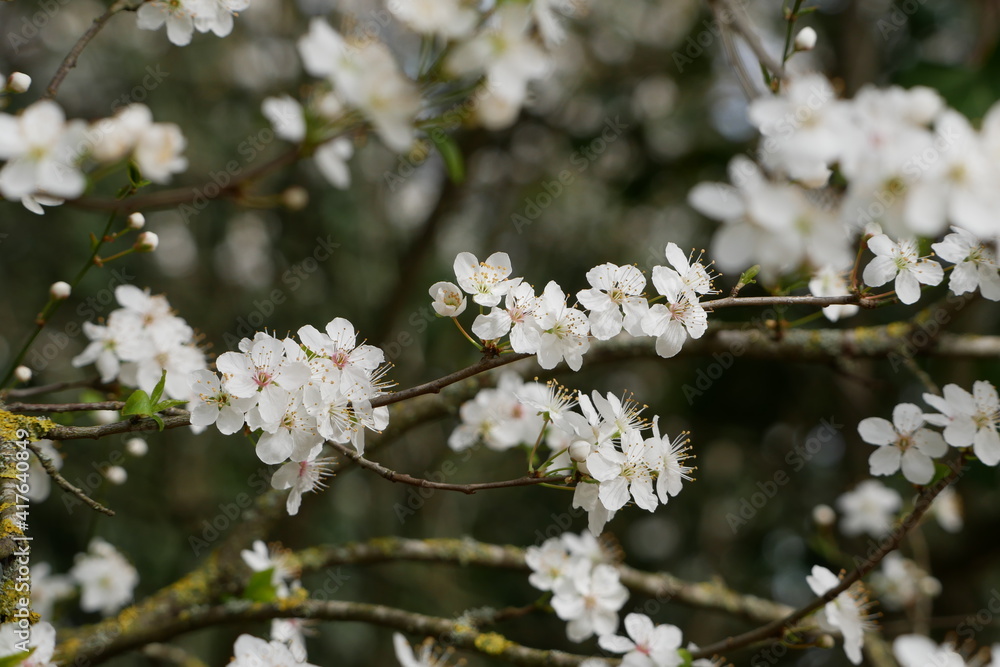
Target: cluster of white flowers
[
  {"x": 545, "y": 325},
  {"x": 968, "y": 420},
  {"x": 42, "y": 644},
  {"x": 604, "y": 443},
  {"x": 848, "y": 613},
  {"x": 140, "y": 341},
  {"x": 105, "y": 577},
  {"x": 46, "y": 155},
  {"x": 183, "y": 17},
  {"x": 496, "y": 52},
  {"x": 912, "y": 166},
  {"x": 287, "y": 645},
  {"x": 299, "y": 394},
  {"x": 588, "y": 594},
  {"x": 921, "y": 651},
  {"x": 900, "y": 583}
]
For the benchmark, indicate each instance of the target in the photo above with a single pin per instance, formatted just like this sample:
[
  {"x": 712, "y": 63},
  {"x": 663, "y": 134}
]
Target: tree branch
[
  {"x": 777, "y": 628},
  {"x": 69, "y": 62},
  {"x": 64, "y": 484},
  {"x": 403, "y": 478}
]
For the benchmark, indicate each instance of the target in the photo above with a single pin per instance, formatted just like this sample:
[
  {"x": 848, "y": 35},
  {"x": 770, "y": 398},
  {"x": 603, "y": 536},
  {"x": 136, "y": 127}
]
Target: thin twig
[
  {"x": 64, "y": 484},
  {"x": 69, "y": 62},
  {"x": 778, "y": 627},
  {"x": 64, "y": 407},
  {"x": 822, "y": 301},
  {"x": 25, "y": 392},
  {"x": 403, "y": 478},
  {"x": 727, "y": 14},
  {"x": 436, "y": 386}
]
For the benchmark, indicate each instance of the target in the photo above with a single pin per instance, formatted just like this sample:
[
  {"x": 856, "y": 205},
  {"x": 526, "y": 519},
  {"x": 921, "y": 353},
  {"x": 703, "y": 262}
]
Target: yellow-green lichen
[
  {"x": 36, "y": 427},
  {"x": 492, "y": 643}
]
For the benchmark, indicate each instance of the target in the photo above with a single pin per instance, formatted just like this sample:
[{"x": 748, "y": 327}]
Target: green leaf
[
  {"x": 169, "y": 403},
  {"x": 158, "y": 389},
  {"x": 747, "y": 277},
  {"x": 260, "y": 588},
  {"x": 158, "y": 420},
  {"x": 138, "y": 404},
  {"x": 685, "y": 656},
  {"x": 451, "y": 154},
  {"x": 17, "y": 658}
]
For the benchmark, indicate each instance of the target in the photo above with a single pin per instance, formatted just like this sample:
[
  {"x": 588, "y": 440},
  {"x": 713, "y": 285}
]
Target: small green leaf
[
  {"x": 169, "y": 403},
  {"x": 158, "y": 389},
  {"x": 158, "y": 420},
  {"x": 260, "y": 588},
  {"x": 685, "y": 656},
  {"x": 17, "y": 658},
  {"x": 451, "y": 154},
  {"x": 138, "y": 404},
  {"x": 747, "y": 277}
]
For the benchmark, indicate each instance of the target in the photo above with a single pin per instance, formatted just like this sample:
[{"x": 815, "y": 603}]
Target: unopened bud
[
  {"x": 136, "y": 220},
  {"x": 18, "y": 82},
  {"x": 22, "y": 373},
  {"x": 116, "y": 475},
  {"x": 824, "y": 515},
  {"x": 805, "y": 40},
  {"x": 136, "y": 447},
  {"x": 295, "y": 198},
  {"x": 60, "y": 290},
  {"x": 147, "y": 242}
]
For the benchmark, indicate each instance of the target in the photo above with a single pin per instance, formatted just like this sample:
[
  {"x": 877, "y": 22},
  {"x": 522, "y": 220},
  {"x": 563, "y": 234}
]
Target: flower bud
[
  {"x": 136, "y": 220},
  {"x": 22, "y": 373},
  {"x": 60, "y": 290},
  {"x": 147, "y": 242},
  {"x": 824, "y": 515},
  {"x": 18, "y": 82},
  {"x": 805, "y": 40},
  {"x": 136, "y": 447},
  {"x": 295, "y": 198},
  {"x": 116, "y": 475}
]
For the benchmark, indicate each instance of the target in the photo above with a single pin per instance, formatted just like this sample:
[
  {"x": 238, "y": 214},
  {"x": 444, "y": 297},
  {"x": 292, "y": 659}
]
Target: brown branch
[
  {"x": 823, "y": 301},
  {"x": 436, "y": 386},
  {"x": 777, "y": 628},
  {"x": 659, "y": 585},
  {"x": 727, "y": 14},
  {"x": 182, "y": 418},
  {"x": 69, "y": 62},
  {"x": 94, "y": 383},
  {"x": 64, "y": 484},
  {"x": 403, "y": 478},
  {"x": 186, "y": 195},
  {"x": 47, "y": 408}
]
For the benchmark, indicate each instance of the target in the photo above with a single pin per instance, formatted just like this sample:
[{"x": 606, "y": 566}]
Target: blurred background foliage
[{"x": 652, "y": 67}]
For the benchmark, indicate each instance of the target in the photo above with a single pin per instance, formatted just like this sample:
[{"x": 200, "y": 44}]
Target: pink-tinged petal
[
  {"x": 907, "y": 287},
  {"x": 884, "y": 461},
  {"x": 877, "y": 431},
  {"x": 930, "y": 442},
  {"x": 987, "y": 445},
  {"x": 907, "y": 418},
  {"x": 879, "y": 271},
  {"x": 917, "y": 467},
  {"x": 881, "y": 245}
]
